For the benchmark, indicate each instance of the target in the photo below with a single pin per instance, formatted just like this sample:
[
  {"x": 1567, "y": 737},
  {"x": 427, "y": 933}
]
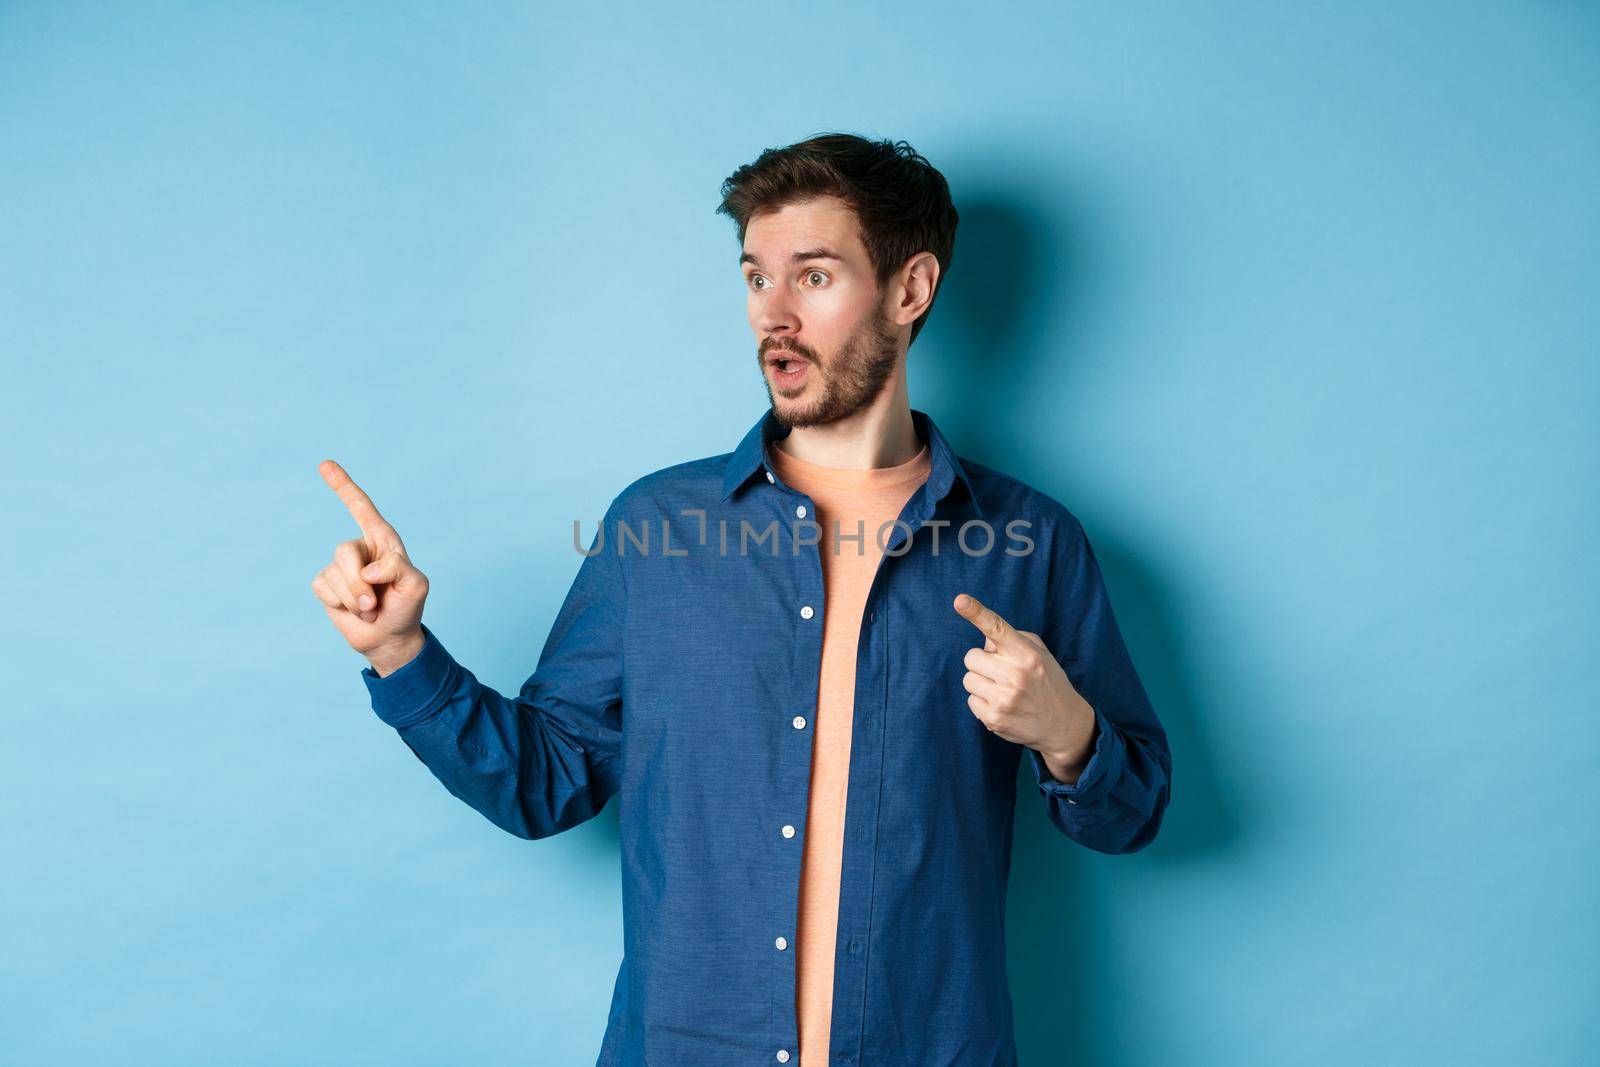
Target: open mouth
[{"x": 787, "y": 369}]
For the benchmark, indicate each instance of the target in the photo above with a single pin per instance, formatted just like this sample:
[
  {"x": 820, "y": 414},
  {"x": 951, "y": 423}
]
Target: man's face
[{"x": 813, "y": 302}]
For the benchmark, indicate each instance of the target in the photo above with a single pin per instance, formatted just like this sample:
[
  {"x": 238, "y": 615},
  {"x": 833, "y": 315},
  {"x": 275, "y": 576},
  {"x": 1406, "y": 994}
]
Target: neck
[{"x": 881, "y": 434}]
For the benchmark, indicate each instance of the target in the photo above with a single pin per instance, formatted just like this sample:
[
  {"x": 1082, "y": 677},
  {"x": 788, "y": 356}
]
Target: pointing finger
[
  {"x": 361, "y": 507},
  {"x": 986, "y": 620}
]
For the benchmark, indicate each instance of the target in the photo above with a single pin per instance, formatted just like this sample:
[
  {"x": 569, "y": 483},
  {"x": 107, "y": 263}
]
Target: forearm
[{"x": 499, "y": 755}]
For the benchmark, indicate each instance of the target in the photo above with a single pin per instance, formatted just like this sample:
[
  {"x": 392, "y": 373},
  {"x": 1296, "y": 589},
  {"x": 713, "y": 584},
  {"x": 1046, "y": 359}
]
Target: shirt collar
[{"x": 944, "y": 469}]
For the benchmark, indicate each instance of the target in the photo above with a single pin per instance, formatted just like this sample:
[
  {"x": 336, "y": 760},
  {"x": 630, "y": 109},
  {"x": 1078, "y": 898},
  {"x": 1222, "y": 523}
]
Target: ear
[{"x": 912, "y": 288}]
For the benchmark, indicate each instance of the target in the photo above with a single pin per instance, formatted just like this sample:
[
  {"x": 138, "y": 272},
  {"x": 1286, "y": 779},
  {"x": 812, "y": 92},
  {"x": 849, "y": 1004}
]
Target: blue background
[{"x": 1293, "y": 305}]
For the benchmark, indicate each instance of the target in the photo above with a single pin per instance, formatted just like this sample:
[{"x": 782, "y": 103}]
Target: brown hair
[{"x": 902, "y": 203}]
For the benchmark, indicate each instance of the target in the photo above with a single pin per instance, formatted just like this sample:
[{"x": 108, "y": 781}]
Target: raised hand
[
  {"x": 371, "y": 591},
  {"x": 1019, "y": 691}
]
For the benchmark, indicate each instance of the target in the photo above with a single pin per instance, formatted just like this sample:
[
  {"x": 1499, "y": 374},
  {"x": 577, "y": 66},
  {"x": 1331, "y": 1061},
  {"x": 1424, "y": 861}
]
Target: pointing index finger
[
  {"x": 360, "y": 505},
  {"x": 985, "y": 619}
]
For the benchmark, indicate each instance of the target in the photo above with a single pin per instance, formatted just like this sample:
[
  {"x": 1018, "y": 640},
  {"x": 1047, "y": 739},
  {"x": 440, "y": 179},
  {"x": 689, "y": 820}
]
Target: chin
[
  {"x": 795, "y": 403},
  {"x": 795, "y": 412}
]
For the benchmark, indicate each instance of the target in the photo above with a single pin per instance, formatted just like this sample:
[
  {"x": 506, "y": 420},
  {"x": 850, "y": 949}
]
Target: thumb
[{"x": 391, "y": 568}]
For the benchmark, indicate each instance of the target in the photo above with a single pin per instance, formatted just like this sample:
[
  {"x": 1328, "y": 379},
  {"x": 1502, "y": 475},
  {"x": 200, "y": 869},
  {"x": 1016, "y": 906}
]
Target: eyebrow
[{"x": 798, "y": 257}]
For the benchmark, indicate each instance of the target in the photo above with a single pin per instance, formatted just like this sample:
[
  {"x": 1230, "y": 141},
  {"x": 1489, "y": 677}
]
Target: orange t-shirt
[{"x": 847, "y": 502}]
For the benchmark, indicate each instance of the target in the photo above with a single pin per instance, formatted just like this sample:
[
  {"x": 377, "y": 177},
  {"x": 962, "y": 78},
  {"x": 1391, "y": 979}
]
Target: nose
[{"x": 774, "y": 316}]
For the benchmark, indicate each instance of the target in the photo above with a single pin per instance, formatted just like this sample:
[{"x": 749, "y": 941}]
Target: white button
[
  {"x": 788, "y": 831},
  {"x": 771, "y": 479},
  {"x": 806, "y": 612},
  {"x": 1071, "y": 801},
  {"x": 782, "y": 944},
  {"x": 799, "y": 722},
  {"x": 800, "y": 510},
  {"x": 783, "y": 1055}
]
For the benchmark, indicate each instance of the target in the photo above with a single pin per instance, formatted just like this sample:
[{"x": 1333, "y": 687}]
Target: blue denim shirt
[{"x": 681, "y": 676}]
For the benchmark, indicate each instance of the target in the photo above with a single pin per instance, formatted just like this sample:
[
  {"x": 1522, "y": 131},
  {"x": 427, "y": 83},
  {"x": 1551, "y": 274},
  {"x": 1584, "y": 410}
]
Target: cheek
[{"x": 840, "y": 315}]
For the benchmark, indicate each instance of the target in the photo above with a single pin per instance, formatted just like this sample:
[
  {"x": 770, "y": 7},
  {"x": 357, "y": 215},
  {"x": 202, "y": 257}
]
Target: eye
[
  {"x": 752, "y": 281},
  {"x": 815, "y": 274}
]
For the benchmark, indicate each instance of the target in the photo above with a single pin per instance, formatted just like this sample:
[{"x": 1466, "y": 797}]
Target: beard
[{"x": 844, "y": 384}]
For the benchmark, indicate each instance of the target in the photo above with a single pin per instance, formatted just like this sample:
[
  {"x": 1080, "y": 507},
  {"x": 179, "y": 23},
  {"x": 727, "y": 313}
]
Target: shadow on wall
[{"x": 1068, "y": 973}]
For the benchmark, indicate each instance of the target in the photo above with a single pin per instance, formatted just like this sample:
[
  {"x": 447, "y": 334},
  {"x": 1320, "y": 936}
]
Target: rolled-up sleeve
[
  {"x": 1118, "y": 801},
  {"x": 548, "y": 759}
]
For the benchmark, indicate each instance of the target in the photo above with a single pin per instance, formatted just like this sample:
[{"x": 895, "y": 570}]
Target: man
[{"x": 807, "y": 669}]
